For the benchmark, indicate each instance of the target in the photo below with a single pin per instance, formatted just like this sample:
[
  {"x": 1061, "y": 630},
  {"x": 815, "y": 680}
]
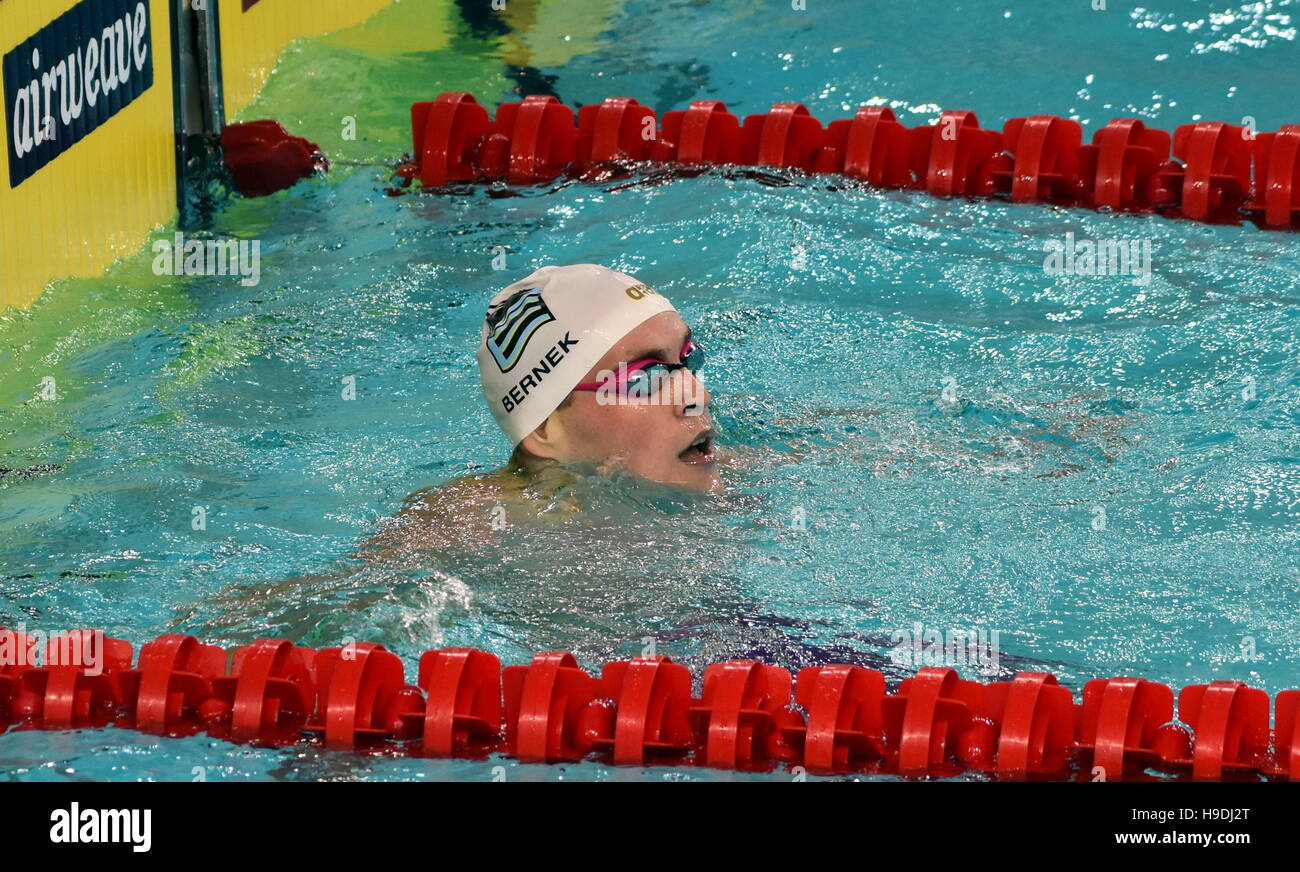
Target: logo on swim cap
[
  {"x": 638, "y": 292},
  {"x": 512, "y": 322}
]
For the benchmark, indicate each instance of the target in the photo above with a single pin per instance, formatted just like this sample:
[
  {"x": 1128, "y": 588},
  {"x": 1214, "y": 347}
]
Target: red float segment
[
  {"x": 787, "y": 136},
  {"x": 462, "y": 712},
  {"x": 492, "y": 160},
  {"x": 1121, "y": 162},
  {"x": 172, "y": 678},
  {"x": 873, "y": 146},
  {"x": 543, "y": 704},
  {"x": 1172, "y": 742},
  {"x": 1045, "y": 167},
  {"x": 1277, "y": 177},
  {"x": 77, "y": 686},
  {"x": 738, "y": 718},
  {"x": 618, "y": 129},
  {"x": 845, "y": 731},
  {"x": 704, "y": 133},
  {"x": 268, "y": 696},
  {"x": 1034, "y": 723},
  {"x": 541, "y": 135},
  {"x": 925, "y": 720},
  {"x": 1216, "y": 172},
  {"x": 1120, "y": 720},
  {"x": 648, "y": 722},
  {"x": 1286, "y": 730},
  {"x": 263, "y": 158},
  {"x": 362, "y": 697},
  {"x": 1230, "y": 723},
  {"x": 953, "y": 157},
  {"x": 447, "y": 133}
]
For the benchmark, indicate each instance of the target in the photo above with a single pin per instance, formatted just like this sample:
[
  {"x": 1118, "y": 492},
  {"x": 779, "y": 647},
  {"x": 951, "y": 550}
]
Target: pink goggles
[{"x": 643, "y": 378}]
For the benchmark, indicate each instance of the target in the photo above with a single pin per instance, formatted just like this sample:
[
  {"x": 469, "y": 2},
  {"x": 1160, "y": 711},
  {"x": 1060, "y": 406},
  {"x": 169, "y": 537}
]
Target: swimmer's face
[{"x": 666, "y": 437}]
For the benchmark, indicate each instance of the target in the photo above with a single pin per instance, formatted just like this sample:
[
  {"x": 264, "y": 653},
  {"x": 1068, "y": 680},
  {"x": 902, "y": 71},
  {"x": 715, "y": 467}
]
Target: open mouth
[{"x": 700, "y": 451}]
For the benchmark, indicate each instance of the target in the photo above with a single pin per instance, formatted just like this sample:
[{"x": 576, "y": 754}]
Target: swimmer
[
  {"x": 586, "y": 370},
  {"x": 591, "y": 373}
]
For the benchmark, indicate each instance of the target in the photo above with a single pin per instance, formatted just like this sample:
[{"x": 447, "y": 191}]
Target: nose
[{"x": 695, "y": 396}]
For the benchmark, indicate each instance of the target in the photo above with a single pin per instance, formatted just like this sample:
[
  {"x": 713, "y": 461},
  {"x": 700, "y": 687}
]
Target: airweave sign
[{"x": 71, "y": 76}]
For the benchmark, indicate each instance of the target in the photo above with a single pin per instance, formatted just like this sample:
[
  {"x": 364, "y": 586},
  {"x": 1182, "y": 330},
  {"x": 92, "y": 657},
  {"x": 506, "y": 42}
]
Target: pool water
[{"x": 930, "y": 429}]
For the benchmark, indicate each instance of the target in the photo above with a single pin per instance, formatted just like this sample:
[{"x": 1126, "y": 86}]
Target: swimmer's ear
[{"x": 545, "y": 440}]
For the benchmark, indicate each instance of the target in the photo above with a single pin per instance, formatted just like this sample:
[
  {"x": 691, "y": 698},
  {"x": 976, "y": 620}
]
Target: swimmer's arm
[{"x": 453, "y": 516}]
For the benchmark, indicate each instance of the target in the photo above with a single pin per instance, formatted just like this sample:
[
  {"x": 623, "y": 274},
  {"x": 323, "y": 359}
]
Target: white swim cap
[{"x": 544, "y": 333}]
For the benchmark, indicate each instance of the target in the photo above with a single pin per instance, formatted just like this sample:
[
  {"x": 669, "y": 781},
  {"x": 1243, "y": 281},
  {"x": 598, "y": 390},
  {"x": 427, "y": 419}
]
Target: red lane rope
[
  {"x": 837, "y": 719},
  {"x": 1217, "y": 172}
]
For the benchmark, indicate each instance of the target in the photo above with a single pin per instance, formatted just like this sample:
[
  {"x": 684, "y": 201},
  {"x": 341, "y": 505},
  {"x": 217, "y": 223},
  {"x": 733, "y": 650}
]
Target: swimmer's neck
[
  {"x": 545, "y": 473},
  {"x": 540, "y": 471},
  {"x": 523, "y": 463}
]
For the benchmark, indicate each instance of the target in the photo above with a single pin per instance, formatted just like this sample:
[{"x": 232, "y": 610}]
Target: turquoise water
[{"x": 1105, "y": 473}]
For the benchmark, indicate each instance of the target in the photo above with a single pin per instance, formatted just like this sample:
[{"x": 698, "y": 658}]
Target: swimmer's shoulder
[
  {"x": 467, "y": 511},
  {"x": 455, "y": 514}
]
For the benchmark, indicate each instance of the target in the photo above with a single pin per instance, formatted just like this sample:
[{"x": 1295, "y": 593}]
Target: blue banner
[{"x": 71, "y": 76}]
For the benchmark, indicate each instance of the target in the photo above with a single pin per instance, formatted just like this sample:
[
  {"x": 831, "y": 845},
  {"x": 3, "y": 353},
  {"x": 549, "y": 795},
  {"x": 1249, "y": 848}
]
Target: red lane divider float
[
  {"x": 645, "y": 718},
  {"x": 737, "y": 720},
  {"x": 170, "y": 684},
  {"x": 462, "y": 713},
  {"x": 618, "y": 129},
  {"x": 844, "y": 731},
  {"x": 267, "y": 697},
  {"x": 872, "y": 147},
  {"x": 749, "y": 716},
  {"x": 1045, "y": 166},
  {"x": 1218, "y": 173},
  {"x": 362, "y": 697},
  {"x": 954, "y": 157},
  {"x": 1277, "y": 177},
  {"x": 263, "y": 158},
  {"x": 65, "y": 693},
  {"x": 548, "y": 708},
  {"x": 1121, "y": 163}
]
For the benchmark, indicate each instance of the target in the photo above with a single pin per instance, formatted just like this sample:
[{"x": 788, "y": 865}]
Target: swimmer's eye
[
  {"x": 692, "y": 355},
  {"x": 646, "y": 376},
  {"x": 641, "y": 382},
  {"x": 646, "y": 380}
]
